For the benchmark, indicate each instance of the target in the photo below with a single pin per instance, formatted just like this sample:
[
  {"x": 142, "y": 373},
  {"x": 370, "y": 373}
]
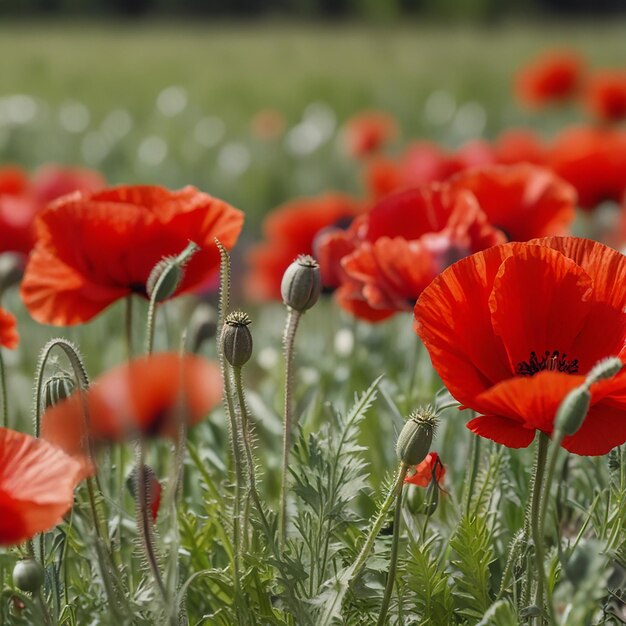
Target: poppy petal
[
  {"x": 539, "y": 304},
  {"x": 507, "y": 432}
]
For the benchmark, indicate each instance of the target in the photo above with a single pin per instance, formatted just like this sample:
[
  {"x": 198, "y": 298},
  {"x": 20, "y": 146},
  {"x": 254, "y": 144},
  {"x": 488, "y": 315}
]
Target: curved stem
[
  {"x": 291, "y": 326},
  {"x": 393, "y": 560},
  {"x": 359, "y": 563},
  {"x": 535, "y": 508}
]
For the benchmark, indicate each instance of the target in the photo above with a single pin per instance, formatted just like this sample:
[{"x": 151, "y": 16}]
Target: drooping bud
[
  {"x": 167, "y": 274},
  {"x": 202, "y": 326},
  {"x": 28, "y": 575},
  {"x": 606, "y": 368},
  {"x": 152, "y": 490},
  {"x": 301, "y": 284},
  {"x": 572, "y": 411},
  {"x": 57, "y": 388},
  {"x": 237, "y": 339},
  {"x": 417, "y": 435}
]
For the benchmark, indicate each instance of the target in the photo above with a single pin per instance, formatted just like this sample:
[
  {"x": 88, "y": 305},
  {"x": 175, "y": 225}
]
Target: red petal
[{"x": 502, "y": 430}]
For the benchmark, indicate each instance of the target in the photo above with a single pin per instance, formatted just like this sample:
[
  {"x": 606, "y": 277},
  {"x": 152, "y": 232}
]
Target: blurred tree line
[{"x": 323, "y": 9}]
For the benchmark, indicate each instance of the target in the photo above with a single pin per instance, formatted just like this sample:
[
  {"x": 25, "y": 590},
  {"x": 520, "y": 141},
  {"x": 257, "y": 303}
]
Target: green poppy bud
[
  {"x": 301, "y": 284},
  {"x": 237, "y": 339},
  {"x": 606, "y": 368},
  {"x": 57, "y": 388},
  {"x": 417, "y": 435},
  {"x": 572, "y": 411},
  {"x": 28, "y": 575},
  {"x": 167, "y": 274}
]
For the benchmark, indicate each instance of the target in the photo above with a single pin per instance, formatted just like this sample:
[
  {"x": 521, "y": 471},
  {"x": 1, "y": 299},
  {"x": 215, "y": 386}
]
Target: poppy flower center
[{"x": 551, "y": 360}]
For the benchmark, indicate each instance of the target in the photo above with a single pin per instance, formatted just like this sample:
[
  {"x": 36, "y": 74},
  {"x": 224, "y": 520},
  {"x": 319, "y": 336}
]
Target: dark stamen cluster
[{"x": 551, "y": 360}]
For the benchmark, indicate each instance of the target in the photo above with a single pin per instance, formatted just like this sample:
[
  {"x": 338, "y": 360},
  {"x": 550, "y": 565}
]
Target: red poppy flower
[
  {"x": 146, "y": 396},
  {"x": 605, "y": 95},
  {"x": 511, "y": 330},
  {"x": 367, "y": 132},
  {"x": 267, "y": 125},
  {"x": 290, "y": 231},
  {"x": 95, "y": 248},
  {"x": 519, "y": 146},
  {"x": 431, "y": 468},
  {"x": 525, "y": 201},
  {"x": 552, "y": 78},
  {"x": 9, "y": 337},
  {"x": 22, "y": 198},
  {"x": 593, "y": 160},
  {"x": 404, "y": 242},
  {"x": 37, "y": 482}
]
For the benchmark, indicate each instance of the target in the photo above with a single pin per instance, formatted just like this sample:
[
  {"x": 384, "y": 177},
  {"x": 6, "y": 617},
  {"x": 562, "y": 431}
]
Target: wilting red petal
[
  {"x": 37, "y": 482},
  {"x": 431, "y": 468},
  {"x": 539, "y": 303},
  {"x": 145, "y": 397},
  {"x": 94, "y": 248}
]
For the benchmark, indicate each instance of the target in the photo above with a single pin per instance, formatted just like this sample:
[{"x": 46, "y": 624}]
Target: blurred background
[{"x": 246, "y": 99}]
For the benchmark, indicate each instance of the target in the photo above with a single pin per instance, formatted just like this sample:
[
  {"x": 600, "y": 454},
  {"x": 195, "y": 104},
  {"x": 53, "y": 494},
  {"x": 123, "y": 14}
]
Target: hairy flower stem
[
  {"x": 361, "y": 559},
  {"x": 5, "y": 402},
  {"x": 395, "y": 543},
  {"x": 289, "y": 336},
  {"x": 535, "y": 522},
  {"x": 473, "y": 472}
]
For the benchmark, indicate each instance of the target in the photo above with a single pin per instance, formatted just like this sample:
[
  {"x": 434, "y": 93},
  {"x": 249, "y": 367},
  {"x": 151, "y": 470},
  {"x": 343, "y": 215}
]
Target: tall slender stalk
[
  {"x": 5, "y": 401},
  {"x": 289, "y": 336},
  {"x": 395, "y": 543}
]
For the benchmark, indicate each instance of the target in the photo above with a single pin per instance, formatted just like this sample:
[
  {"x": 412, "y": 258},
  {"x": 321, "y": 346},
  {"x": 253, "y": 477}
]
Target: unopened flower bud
[
  {"x": 167, "y": 274},
  {"x": 301, "y": 285},
  {"x": 572, "y": 411},
  {"x": 57, "y": 388},
  {"x": 28, "y": 575},
  {"x": 606, "y": 368},
  {"x": 237, "y": 339},
  {"x": 416, "y": 437},
  {"x": 202, "y": 325}
]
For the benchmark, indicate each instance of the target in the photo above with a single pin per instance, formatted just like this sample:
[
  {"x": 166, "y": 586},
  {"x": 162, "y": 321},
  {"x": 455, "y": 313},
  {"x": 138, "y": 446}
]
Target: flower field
[{"x": 312, "y": 326}]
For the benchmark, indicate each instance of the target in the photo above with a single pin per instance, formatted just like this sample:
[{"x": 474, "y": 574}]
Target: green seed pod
[
  {"x": 202, "y": 326},
  {"x": 57, "y": 388},
  {"x": 301, "y": 284},
  {"x": 572, "y": 411},
  {"x": 28, "y": 575},
  {"x": 416, "y": 437},
  {"x": 168, "y": 273},
  {"x": 606, "y": 368},
  {"x": 237, "y": 339}
]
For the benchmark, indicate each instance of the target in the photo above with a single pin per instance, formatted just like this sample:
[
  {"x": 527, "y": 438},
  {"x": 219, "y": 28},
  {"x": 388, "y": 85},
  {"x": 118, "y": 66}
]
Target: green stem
[
  {"x": 395, "y": 542},
  {"x": 536, "y": 530},
  {"x": 5, "y": 402},
  {"x": 473, "y": 472},
  {"x": 128, "y": 325},
  {"x": 359, "y": 563},
  {"x": 291, "y": 326}
]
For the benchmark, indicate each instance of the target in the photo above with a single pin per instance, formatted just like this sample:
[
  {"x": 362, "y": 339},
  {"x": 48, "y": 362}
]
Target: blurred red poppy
[
  {"x": 552, "y": 78},
  {"x": 9, "y": 337},
  {"x": 422, "y": 163},
  {"x": 511, "y": 330},
  {"x": 403, "y": 243},
  {"x": 21, "y": 198},
  {"x": 524, "y": 201},
  {"x": 605, "y": 95},
  {"x": 153, "y": 489},
  {"x": 145, "y": 397},
  {"x": 37, "y": 482},
  {"x": 519, "y": 145},
  {"x": 367, "y": 132},
  {"x": 94, "y": 248},
  {"x": 290, "y": 230},
  {"x": 593, "y": 160},
  {"x": 267, "y": 125},
  {"x": 429, "y": 470}
]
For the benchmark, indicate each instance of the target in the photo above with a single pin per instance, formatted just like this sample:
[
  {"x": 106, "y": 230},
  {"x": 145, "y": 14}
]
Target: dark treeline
[{"x": 323, "y": 9}]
